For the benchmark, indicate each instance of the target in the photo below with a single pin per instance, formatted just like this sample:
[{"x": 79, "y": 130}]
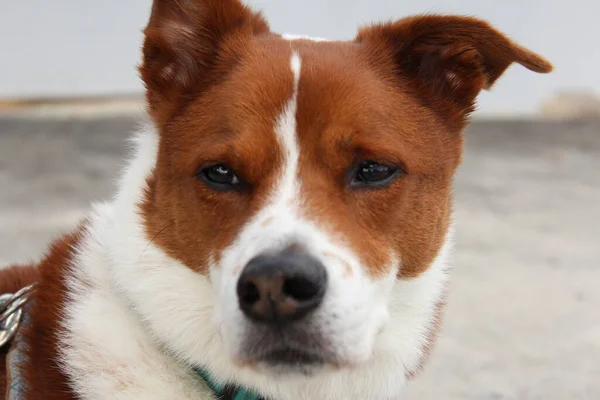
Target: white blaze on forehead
[
  {"x": 286, "y": 133},
  {"x": 296, "y": 63}
]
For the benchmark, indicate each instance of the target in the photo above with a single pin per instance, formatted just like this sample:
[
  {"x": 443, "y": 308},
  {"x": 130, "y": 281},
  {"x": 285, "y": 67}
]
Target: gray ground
[{"x": 523, "y": 319}]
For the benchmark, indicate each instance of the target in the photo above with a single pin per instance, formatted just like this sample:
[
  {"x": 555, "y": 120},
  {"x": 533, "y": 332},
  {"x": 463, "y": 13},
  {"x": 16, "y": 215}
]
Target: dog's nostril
[
  {"x": 300, "y": 289},
  {"x": 249, "y": 293}
]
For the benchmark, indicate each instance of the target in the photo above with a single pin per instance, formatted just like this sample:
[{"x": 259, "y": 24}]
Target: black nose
[{"x": 281, "y": 287}]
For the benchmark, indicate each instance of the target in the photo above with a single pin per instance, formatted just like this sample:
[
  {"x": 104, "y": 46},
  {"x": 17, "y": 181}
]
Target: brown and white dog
[{"x": 285, "y": 220}]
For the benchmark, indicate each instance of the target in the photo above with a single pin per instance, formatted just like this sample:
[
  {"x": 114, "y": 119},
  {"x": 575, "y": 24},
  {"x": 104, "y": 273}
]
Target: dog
[{"x": 284, "y": 226}]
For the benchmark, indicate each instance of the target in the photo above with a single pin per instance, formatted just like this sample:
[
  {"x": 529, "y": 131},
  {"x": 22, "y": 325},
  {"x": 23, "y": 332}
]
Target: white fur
[
  {"x": 106, "y": 350},
  {"x": 291, "y": 37},
  {"x": 138, "y": 319}
]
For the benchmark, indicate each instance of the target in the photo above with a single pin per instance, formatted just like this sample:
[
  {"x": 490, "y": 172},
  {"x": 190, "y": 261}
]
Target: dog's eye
[
  {"x": 220, "y": 176},
  {"x": 370, "y": 173}
]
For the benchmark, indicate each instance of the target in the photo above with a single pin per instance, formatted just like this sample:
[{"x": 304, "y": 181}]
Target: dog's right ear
[
  {"x": 182, "y": 46},
  {"x": 447, "y": 60}
]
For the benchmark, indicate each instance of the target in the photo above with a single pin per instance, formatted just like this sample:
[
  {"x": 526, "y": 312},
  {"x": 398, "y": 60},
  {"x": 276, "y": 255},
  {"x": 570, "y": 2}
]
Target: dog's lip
[{"x": 291, "y": 356}]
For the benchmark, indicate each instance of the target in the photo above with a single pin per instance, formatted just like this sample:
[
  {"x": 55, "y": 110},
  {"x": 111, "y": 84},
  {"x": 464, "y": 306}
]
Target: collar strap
[
  {"x": 13, "y": 314},
  {"x": 227, "y": 392}
]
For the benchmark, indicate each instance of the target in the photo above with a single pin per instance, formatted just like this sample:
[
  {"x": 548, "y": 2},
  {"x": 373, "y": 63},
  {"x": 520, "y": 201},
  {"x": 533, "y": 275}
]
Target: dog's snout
[{"x": 283, "y": 286}]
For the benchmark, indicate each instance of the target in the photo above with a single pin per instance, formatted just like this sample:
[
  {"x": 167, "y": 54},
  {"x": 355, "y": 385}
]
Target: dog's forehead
[
  {"x": 264, "y": 70},
  {"x": 343, "y": 105},
  {"x": 325, "y": 70},
  {"x": 342, "y": 98}
]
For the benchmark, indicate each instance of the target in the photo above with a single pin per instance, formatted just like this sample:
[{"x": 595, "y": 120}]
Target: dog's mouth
[
  {"x": 287, "y": 351},
  {"x": 290, "y": 357},
  {"x": 290, "y": 360}
]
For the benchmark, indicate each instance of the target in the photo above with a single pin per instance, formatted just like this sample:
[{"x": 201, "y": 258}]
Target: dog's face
[
  {"x": 309, "y": 181},
  {"x": 302, "y": 186}
]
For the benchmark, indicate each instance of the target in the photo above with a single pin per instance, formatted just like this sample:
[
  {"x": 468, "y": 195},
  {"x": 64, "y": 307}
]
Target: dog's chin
[{"x": 296, "y": 348}]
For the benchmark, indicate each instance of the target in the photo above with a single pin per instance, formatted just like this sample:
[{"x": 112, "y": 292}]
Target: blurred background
[{"x": 523, "y": 319}]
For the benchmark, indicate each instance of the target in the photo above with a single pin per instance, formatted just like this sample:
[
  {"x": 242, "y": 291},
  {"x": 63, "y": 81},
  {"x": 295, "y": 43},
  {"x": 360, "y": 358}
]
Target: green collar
[{"x": 227, "y": 392}]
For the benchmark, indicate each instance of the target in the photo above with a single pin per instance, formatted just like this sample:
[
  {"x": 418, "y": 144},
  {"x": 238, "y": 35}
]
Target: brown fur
[
  {"x": 16, "y": 277},
  {"x": 43, "y": 377},
  {"x": 177, "y": 203}
]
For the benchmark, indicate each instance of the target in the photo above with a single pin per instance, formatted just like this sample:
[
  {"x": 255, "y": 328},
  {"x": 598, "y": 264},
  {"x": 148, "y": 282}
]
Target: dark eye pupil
[
  {"x": 373, "y": 172},
  {"x": 220, "y": 174}
]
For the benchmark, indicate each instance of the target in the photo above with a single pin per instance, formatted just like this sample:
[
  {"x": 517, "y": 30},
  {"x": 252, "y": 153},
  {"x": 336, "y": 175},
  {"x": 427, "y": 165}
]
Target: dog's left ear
[
  {"x": 447, "y": 60},
  {"x": 188, "y": 46}
]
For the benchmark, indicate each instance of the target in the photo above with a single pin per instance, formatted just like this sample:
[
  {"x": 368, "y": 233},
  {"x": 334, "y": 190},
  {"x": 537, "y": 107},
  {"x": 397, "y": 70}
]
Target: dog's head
[{"x": 305, "y": 186}]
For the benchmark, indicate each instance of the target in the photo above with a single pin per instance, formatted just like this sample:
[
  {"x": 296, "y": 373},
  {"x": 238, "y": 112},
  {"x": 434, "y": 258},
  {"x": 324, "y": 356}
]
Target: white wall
[{"x": 84, "y": 47}]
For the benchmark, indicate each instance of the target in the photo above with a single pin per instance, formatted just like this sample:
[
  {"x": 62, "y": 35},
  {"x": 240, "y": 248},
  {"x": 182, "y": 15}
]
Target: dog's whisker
[{"x": 153, "y": 239}]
